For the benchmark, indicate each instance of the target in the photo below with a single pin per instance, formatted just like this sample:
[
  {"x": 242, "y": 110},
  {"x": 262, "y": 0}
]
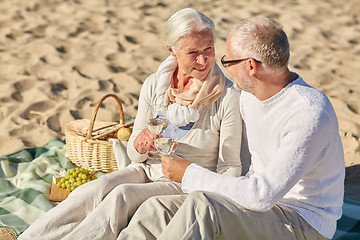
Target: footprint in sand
[
  {"x": 36, "y": 109},
  {"x": 104, "y": 85},
  {"x": 57, "y": 88},
  {"x": 17, "y": 96},
  {"x": 22, "y": 86},
  {"x": 53, "y": 123},
  {"x": 353, "y": 108},
  {"x": 80, "y": 104}
]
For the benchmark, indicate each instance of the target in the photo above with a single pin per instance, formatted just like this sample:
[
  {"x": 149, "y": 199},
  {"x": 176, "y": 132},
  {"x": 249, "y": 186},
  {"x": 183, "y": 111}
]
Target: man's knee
[
  {"x": 151, "y": 203},
  {"x": 196, "y": 195},
  {"x": 163, "y": 203},
  {"x": 200, "y": 201},
  {"x": 213, "y": 204},
  {"x": 203, "y": 197}
]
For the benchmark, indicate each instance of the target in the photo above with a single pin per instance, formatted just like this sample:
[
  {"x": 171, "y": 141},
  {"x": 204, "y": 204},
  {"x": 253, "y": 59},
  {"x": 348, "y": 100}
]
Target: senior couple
[{"x": 294, "y": 187}]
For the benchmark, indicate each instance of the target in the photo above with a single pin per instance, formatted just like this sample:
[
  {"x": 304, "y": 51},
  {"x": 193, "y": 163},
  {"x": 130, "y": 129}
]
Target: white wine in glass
[
  {"x": 157, "y": 122},
  {"x": 167, "y": 142},
  {"x": 166, "y": 145}
]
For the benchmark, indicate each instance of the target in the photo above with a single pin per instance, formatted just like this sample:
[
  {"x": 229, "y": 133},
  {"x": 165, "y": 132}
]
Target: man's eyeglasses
[{"x": 226, "y": 63}]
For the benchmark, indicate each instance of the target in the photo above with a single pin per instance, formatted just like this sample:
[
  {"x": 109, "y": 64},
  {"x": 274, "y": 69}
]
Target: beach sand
[{"x": 58, "y": 58}]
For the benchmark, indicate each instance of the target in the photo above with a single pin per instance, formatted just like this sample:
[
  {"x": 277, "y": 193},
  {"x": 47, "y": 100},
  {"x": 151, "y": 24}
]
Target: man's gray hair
[
  {"x": 185, "y": 22},
  {"x": 262, "y": 39}
]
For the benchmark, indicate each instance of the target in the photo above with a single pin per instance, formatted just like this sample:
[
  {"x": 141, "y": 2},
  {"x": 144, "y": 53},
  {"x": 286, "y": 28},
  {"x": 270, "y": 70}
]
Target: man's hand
[{"x": 174, "y": 168}]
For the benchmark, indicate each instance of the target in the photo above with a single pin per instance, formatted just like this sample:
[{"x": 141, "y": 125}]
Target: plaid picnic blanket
[
  {"x": 25, "y": 179},
  {"x": 348, "y": 226}
]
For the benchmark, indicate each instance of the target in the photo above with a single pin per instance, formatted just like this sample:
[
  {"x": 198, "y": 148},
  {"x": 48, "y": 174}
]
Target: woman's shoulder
[
  {"x": 149, "y": 82},
  {"x": 151, "y": 79},
  {"x": 229, "y": 98},
  {"x": 230, "y": 91}
]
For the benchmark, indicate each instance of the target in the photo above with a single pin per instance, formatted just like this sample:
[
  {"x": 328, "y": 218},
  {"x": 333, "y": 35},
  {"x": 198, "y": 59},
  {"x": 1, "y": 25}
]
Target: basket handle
[{"x": 93, "y": 117}]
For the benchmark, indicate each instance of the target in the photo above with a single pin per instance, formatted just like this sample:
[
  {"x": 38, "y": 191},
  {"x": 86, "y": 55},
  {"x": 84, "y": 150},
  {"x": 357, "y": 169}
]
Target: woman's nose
[{"x": 201, "y": 59}]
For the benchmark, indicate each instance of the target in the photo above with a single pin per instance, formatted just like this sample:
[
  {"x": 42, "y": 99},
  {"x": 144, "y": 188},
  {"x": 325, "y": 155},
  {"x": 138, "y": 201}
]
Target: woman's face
[{"x": 195, "y": 55}]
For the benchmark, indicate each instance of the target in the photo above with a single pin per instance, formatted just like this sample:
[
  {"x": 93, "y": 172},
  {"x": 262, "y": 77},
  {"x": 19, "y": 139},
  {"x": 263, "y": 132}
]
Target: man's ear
[
  {"x": 253, "y": 66},
  {"x": 171, "y": 51}
]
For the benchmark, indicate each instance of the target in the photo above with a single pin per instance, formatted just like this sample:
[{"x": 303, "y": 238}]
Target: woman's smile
[{"x": 201, "y": 68}]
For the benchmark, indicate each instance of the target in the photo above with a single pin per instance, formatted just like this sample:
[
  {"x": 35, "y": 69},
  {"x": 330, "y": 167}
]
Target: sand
[{"x": 58, "y": 58}]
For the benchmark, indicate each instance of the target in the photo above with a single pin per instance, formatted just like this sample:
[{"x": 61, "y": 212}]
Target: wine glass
[
  {"x": 156, "y": 119},
  {"x": 167, "y": 141},
  {"x": 156, "y": 123}
]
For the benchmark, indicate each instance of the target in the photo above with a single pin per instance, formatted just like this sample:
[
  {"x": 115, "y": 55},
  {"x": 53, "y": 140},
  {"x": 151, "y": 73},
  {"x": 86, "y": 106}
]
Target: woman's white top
[{"x": 213, "y": 142}]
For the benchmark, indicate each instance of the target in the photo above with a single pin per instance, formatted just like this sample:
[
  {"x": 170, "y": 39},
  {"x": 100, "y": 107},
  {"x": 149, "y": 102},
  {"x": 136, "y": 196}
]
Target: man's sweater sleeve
[{"x": 260, "y": 191}]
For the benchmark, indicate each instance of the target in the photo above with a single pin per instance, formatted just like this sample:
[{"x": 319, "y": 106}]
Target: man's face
[
  {"x": 241, "y": 79},
  {"x": 196, "y": 55}
]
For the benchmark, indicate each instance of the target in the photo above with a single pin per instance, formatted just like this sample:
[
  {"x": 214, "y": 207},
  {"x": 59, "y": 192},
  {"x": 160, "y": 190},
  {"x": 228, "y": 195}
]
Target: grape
[{"x": 75, "y": 177}]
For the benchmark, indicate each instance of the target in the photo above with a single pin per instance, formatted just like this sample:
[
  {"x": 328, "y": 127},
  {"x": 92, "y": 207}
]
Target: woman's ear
[{"x": 171, "y": 51}]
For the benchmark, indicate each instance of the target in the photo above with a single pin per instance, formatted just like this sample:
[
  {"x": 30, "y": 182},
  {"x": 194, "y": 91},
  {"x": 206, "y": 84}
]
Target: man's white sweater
[{"x": 297, "y": 158}]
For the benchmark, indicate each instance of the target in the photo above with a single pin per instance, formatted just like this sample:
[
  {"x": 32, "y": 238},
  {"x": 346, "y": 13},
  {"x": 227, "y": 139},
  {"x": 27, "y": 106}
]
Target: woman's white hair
[
  {"x": 184, "y": 23},
  {"x": 262, "y": 39}
]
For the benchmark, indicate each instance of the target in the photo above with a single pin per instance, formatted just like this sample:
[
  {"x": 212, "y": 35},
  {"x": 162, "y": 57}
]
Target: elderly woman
[{"x": 202, "y": 105}]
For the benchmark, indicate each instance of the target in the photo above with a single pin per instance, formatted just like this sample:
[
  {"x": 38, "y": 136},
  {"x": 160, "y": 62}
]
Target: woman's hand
[
  {"x": 174, "y": 168},
  {"x": 145, "y": 141}
]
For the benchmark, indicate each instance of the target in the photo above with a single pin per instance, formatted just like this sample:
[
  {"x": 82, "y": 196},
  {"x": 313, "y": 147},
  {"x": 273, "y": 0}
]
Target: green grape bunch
[{"x": 75, "y": 177}]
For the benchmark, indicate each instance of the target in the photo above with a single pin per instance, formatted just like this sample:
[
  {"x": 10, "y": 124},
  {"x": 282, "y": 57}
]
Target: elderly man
[{"x": 294, "y": 188}]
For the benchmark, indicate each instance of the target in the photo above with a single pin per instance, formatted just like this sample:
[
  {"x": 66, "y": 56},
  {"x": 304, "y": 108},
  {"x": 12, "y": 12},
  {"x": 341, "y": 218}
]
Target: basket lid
[{"x": 81, "y": 126}]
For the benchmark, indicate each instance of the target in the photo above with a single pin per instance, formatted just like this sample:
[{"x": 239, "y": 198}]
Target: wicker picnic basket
[{"x": 87, "y": 141}]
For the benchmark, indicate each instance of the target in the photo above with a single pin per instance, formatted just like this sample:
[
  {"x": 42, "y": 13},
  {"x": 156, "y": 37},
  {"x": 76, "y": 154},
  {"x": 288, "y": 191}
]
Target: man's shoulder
[
  {"x": 315, "y": 107},
  {"x": 314, "y": 98}
]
